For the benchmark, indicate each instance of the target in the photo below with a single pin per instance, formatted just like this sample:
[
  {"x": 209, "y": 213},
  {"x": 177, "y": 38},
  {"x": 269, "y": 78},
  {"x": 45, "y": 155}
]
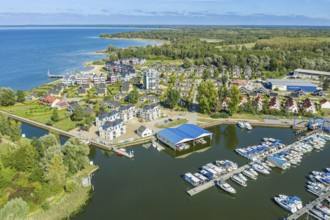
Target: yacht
[
  {"x": 323, "y": 209},
  {"x": 238, "y": 180},
  {"x": 253, "y": 171},
  {"x": 242, "y": 177},
  {"x": 314, "y": 190},
  {"x": 319, "y": 214},
  {"x": 294, "y": 200},
  {"x": 201, "y": 177},
  {"x": 191, "y": 179},
  {"x": 259, "y": 168},
  {"x": 249, "y": 174},
  {"x": 226, "y": 187},
  {"x": 284, "y": 203}
]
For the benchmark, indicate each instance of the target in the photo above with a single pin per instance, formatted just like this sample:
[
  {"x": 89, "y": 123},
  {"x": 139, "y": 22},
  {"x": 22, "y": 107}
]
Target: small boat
[
  {"x": 327, "y": 169},
  {"x": 241, "y": 125},
  {"x": 269, "y": 164},
  {"x": 193, "y": 180},
  {"x": 314, "y": 190},
  {"x": 323, "y": 209},
  {"x": 226, "y": 187},
  {"x": 319, "y": 214},
  {"x": 260, "y": 169},
  {"x": 249, "y": 174},
  {"x": 247, "y": 125},
  {"x": 284, "y": 203},
  {"x": 238, "y": 180}
]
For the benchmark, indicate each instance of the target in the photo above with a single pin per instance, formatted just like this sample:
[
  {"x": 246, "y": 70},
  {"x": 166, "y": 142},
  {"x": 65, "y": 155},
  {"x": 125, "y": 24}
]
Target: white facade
[
  {"x": 112, "y": 130},
  {"x": 325, "y": 105},
  {"x": 150, "y": 112},
  {"x": 144, "y": 132},
  {"x": 102, "y": 119},
  {"x": 150, "y": 79}
]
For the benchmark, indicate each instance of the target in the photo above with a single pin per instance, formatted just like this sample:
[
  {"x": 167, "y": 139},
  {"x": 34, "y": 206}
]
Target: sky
[{"x": 149, "y": 12}]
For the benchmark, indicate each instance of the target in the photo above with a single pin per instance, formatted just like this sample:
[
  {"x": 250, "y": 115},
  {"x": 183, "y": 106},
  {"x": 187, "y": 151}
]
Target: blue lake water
[{"x": 26, "y": 54}]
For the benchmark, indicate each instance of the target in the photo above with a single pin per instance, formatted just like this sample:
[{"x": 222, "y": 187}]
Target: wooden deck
[
  {"x": 306, "y": 209},
  {"x": 209, "y": 184}
]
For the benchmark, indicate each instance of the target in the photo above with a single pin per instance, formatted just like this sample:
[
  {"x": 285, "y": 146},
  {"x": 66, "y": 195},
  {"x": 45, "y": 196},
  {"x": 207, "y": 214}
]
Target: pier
[
  {"x": 306, "y": 209},
  {"x": 225, "y": 177}
]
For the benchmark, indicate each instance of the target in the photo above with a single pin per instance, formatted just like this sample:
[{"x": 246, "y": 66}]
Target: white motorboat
[
  {"x": 241, "y": 125},
  {"x": 249, "y": 174},
  {"x": 294, "y": 200},
  {"x": 319, "y": 214},
  {"x": 284, "y": 203},
  {"x": 226, "y": 187},
  {"x": 247, "y": 125},
  {"x": 253, "y": 172},
  {"x": 260, "y": 169},
  {"x": 242, "y": 177},
  {"x": 323, "y": 209},
  {"x": 238, "y": 180}
]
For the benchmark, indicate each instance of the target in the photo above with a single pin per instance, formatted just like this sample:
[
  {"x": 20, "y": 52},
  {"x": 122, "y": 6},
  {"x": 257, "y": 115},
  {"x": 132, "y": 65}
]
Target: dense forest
[{"x": 263, "y": 49}]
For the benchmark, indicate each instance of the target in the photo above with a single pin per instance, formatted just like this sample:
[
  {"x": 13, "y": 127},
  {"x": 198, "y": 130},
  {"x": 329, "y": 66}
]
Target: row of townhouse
[
  {"x": 112, "y": 125},
  {"x": 129, "y": 61},
  {"x": 81, "y": 78},
  {"x": 101, "y": 90}
]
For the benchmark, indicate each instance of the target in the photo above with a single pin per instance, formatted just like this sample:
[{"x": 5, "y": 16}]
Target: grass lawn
[
  {"x": 41, "y": 114},
  {"x": 247, "y": 117},
  {"x": 177, "y": 62},
  {"x": 4, "y": 148},
  {"x": 172, "y": 124}
]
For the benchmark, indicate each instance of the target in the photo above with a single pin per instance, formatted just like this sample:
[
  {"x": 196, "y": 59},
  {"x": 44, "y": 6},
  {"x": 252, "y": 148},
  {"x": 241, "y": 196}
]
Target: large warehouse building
[
  {"x": 291, "y": 85},
  {"x": 178, "y": 137},
  {"x": 302, "y": 73}
]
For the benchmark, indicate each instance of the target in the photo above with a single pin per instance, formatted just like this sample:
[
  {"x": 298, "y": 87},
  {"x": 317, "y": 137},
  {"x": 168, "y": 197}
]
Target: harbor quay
[{"x": 204, "y": 186}]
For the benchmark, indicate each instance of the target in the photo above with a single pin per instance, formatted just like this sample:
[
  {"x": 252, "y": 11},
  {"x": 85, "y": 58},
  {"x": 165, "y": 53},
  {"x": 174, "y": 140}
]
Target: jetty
[
  {"x": 225, "y": 177},
  {"x": 54, "y": 75},
  {"x": 306, "y": 209}
]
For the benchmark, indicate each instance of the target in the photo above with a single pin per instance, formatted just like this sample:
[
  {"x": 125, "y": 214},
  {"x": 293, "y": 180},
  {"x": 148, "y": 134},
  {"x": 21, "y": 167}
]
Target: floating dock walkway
[
  {"x": 306, "y": 209},
  {"x": 209, "y": 184}
]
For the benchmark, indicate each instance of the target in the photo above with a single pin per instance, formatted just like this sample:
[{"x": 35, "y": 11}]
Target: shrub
[{"x": 220, "y": 115}]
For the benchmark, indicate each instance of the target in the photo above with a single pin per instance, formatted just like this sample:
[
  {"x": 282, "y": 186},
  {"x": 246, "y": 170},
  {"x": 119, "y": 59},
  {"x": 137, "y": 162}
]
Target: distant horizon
[{"x": 158, "y": 25}]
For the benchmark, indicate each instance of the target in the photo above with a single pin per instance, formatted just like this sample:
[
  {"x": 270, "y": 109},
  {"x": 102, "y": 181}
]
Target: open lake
[
  {"x": 26, "y": 54},
  {"x": 150, "y": 186}
]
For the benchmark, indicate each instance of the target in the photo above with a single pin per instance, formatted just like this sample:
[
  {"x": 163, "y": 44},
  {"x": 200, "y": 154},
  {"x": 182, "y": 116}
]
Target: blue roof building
[{"x": 181, "y": 134}]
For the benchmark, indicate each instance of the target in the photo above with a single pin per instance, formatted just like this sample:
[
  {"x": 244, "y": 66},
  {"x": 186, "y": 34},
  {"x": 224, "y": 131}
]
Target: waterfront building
[
  {"x": 143, "y": 131},
  {"x": 324, "y": 104},
  {"x": 105, "y": 116},
  {"x": 112, "y": 129},
  {"x": 274, "y": 104},
  {"x": 150, "y": 79},
  {"x": 184, "y": 134},
  {"x": 55, "y": 102},
  {"x": 111, "y": 104},
  {"x": 99, "y": 79},
  {"x": 127, "y": 112},
  {"x": 308, "y": 106},
  {"x": 33, "y": 96},
  {"x": 291, "y": 105},
  {"x": 113, "y": 78},
  {"x": 258, "y": 101},
  {"x": 150, "y": 112},
  {"x": 320, "y": 93}
]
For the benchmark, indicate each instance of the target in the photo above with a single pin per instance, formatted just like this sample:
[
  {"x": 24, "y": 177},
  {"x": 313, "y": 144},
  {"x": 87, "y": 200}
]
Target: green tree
[
  {"x": 187, "y": 63},
  {"x": 55, "y": 171},
  {"x": 15, "y": 209},
  {"x": 15, "y": 130},
  {"x": 235, "y": 98},
  {"x": 20, "y": 96},
  {"x": 77, "y": 115},
  {"x": 173, "y": 98},
  {"x": 207, "y": 97},
  {"x": 55, "y": 117},
  {"x": 7, "y": 97},
  {"x": 76, "y": 154},
  {"x": 133, "y": 96}
]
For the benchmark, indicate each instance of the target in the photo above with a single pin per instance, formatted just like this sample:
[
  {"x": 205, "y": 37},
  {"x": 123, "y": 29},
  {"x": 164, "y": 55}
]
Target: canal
[{"x": 150, "y": 186}]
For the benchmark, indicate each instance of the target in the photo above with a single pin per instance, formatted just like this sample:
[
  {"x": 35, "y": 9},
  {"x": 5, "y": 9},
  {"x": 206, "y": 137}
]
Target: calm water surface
[
  {"x": 26, "y": 54},
  {"x": 150, "y": 186}
]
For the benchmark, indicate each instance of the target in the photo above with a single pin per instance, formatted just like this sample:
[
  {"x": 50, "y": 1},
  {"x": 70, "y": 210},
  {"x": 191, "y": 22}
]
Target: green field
[{"x": 39, "y": 113}]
